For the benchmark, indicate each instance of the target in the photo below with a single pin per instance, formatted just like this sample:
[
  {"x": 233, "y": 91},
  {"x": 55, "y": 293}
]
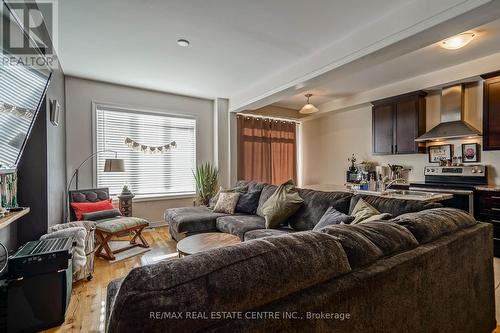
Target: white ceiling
[
  {"x": 334, "y": 85},
  {"x": 242, "y": 50},
  {"x": 233, "y": 42}
]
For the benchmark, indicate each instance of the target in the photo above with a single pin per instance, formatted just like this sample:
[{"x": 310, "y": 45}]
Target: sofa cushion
[
  {"x": 248, "y": 202},
  {"x": 239, "y": 224},
  {"x": 240, "y": 277},
  {"x": 251, "y": 185},
  {"x": 315, "y": 205},
  {"x": 191, "y": 219},
  {"x": 431, "y": 224},
  {"x": 121, "y": 223},
  {"x": 284, "y": 202},
  {"x": 111, "y": 292},
  {"x": 359, "y": 249},
  {"x": 395, "y": 207},
  {"x": 389, "y": 237},
  {"x": 332, "y": 217},
  {"x": 364, "y": 243},
  {"x": 261, "y": 233},
  {"x": 267, "y": 191}
]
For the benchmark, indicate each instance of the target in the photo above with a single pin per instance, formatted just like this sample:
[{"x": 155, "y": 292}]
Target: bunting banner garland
[
  {"x": 150, "y": 149},
  {"x": 15, "y": 111}
]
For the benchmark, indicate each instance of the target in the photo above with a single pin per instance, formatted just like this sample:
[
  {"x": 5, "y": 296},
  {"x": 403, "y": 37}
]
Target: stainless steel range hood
[{"x": 452, "y": 125}]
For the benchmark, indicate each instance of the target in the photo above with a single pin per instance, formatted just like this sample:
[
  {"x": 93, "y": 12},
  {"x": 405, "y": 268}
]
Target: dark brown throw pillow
[
  {"x": 248, "y": 202},
  {"x": 101, "y": 215},
  {"x": 331, "y": 217}
]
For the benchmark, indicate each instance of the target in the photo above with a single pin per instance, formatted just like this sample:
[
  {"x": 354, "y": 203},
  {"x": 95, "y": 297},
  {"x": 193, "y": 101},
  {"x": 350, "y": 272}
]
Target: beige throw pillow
[
  {"x": 281, "y": 205},
  {"x": 378, "y": 217},
  {"x": 364, "y": 212},
  {"x": 215, "y": 198},
  {"x": 226, "y": 203}
]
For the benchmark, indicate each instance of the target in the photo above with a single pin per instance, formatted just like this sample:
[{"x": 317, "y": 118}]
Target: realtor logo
[{"x": 28, "y": 32}]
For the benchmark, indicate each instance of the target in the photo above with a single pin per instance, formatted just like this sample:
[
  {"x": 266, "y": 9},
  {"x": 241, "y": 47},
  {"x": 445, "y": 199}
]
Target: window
[
  {"x": 169, "y": 173},
  {"x": 21, "y": 89}
]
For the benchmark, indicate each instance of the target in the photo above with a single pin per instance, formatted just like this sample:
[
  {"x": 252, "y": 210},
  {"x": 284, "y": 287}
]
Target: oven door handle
[{"x": 435, "y": 190}]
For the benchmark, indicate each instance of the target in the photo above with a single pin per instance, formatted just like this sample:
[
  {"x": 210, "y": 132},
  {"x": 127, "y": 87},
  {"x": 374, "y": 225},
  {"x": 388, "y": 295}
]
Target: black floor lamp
[{"x": 110, "y": 165}]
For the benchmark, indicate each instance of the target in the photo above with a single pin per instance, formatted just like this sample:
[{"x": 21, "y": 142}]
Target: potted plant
[{"x": 205, "y": 176}]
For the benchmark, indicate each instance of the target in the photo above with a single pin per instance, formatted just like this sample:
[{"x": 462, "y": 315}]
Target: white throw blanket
[{"x": 78, "y": 233}]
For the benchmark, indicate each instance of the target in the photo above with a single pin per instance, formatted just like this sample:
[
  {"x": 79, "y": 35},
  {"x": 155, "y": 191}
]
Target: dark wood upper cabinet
[
  {"x": 397, "y": 122},
  {"x": 382, "y": 129},
  {"x": 491, "y": 112}
]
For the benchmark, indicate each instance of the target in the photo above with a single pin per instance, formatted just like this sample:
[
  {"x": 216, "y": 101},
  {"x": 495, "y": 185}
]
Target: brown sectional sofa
[
  {"x": 429, "y": 271},
  {"x": 188, "y": 221},
  {"x": 425, "y": 271}
]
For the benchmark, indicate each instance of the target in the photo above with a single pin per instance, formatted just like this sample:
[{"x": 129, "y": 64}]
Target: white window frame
[{"x": 162, "y": 112}]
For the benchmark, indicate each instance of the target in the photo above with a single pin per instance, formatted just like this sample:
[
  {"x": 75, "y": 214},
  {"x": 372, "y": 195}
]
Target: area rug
[
  {"x": 115, "y": 245},
  {"x": 153, "y": 257}
]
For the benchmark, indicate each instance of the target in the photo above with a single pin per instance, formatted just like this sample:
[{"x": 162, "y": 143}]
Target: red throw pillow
[{"x": 81, "y": 208}]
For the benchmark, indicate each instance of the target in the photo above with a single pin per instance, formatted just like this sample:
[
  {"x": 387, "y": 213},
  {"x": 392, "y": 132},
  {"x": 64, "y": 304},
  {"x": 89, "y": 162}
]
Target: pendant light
[
  {"x": 308, "y": 108},
  {"x": 458, "y": 41}
]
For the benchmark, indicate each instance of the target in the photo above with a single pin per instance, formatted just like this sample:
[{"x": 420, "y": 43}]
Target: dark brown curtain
[{"x": 266, "y": 150}]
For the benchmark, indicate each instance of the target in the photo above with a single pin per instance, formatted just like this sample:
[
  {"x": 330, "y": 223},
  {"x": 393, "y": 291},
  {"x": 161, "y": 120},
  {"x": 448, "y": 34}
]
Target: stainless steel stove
[{"x": 460, "y": 181}]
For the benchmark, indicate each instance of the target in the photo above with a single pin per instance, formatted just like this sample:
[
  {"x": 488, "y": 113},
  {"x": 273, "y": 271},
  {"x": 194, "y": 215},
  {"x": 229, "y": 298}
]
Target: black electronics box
[
  {"x": 38, "y": 285},
  {"x": 43, "y": 256}
]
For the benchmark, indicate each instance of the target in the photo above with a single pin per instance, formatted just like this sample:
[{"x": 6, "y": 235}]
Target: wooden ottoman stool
[{"x": 117, "y": 226}]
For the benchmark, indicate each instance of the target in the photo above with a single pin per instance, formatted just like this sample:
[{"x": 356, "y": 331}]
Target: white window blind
[
  {"x": 169, "y": 173},
  {"x": 21, "y": 89}
]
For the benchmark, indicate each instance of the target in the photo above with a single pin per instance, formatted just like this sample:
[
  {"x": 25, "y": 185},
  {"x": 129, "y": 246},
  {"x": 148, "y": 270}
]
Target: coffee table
[{"x": 203, "y": 242}]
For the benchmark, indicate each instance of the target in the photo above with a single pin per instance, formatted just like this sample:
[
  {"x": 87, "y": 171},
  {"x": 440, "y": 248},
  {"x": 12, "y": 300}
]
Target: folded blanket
[
  {"x": 89, "y": 225},
  {"x": 78, "y": 233}
]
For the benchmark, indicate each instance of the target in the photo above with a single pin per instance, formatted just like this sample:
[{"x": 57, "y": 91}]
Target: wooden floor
[{"x": 86, "y": 312}]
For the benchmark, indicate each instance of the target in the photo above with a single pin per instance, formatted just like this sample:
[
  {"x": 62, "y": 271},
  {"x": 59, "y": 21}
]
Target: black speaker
[
  {"x": 37, "y": 287},
  {"x": 38, "y": 302}
]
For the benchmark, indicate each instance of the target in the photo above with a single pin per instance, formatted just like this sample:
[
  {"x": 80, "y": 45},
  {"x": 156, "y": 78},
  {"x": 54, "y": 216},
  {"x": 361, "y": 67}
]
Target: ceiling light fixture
[
  {"x": 308, "y": 108},
  {"x": 183, "y": 42},
  {"x": 458, "y": 41}
]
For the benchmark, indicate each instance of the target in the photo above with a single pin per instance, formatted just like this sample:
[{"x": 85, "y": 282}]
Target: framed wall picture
[
  {"x": 470, "y": 153},
  {"x": 440, "y": 153}
]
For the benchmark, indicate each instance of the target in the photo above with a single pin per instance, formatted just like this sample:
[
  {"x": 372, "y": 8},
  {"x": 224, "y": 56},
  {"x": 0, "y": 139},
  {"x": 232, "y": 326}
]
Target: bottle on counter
[
  {"x": 380, "y": 184},
  {"x": 372, "y": 185},
  {"x": 363, "y": 185}
]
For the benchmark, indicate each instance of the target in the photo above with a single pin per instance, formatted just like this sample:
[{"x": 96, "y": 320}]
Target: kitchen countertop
[
  {"x": 431, "y": 197},
  {"x": 491, "y": 188},
  {"x": 327, "y": 188},
  {"x": 341, "y": 188}
]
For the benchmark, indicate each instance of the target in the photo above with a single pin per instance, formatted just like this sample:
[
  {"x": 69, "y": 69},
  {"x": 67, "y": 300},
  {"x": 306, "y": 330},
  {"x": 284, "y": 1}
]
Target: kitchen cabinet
[
  {"x": 487, "y": 209},
  {"x": 383, "y": 124},
  {"x": 397, "y": 122},
  {"x": 491, "y": 111}
]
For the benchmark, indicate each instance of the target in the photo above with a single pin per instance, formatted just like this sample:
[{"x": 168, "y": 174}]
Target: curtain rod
[{"x": 298, "y": 122}]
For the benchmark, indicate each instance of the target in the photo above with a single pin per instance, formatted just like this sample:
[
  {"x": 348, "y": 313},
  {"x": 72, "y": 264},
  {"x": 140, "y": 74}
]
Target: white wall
[
  {"x": 222, "y": 139},
  {"x": 80, "y": 94},
  {"x": 328, "y": 141}
]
